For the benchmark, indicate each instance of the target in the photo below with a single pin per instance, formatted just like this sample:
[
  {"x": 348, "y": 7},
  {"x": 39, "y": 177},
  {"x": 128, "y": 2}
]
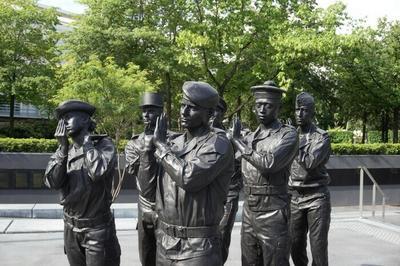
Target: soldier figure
[
  {"x": 83, "y": 172},
  {"x": 232, "y": 201},
  {"x": 197, "y": 167},
  {"x": 267, "y": 155},
  {"x": 141, "y": 163},
  {"x": 310, "y": 204}
]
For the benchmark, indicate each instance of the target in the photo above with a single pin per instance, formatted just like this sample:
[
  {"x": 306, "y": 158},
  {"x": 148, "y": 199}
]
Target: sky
[{"x": 370, "y": 10}]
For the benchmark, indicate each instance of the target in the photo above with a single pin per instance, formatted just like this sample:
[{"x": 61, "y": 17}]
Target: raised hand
[
  {"x": 160, "y": 132},
  {"x": 236, "y": 127},
  {"x": 61, "y": 135}
]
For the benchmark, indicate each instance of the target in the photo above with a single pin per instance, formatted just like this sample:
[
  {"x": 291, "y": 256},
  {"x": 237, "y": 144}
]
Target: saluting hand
[
  {"x": 61, "y": 135},
  {"x": 236, "y": 127},
  {"x": 160, "y": 132}
]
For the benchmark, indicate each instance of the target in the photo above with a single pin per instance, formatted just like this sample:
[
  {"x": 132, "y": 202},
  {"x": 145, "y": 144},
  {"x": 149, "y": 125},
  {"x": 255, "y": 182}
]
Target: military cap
[
  {"x": 304, "y": 99},
  {"x": 222, "y": 104},
  {"x": 200, "y": 93},
  {"x": 151, "y": 98},
  {"x": 268, "y": 90},
  {"x": 74, "y": 105}
]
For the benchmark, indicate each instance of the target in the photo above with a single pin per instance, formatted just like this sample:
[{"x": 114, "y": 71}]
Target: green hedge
[
  {"x": 50, "y": 145},
  {"x": 340, "y": 136},
  {"x": 28, "y": 145},
  {"x": 36, "y": 145},
  {"x": 376, "y": 148}
]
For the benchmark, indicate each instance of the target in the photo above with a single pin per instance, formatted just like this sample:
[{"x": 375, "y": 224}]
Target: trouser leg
[
  {"x": 298, "y": 234},
  {"x": 102, "y": 247},
  {"x": 251, "y": 249},
  {"x": 75, "y": 253},
  {"x": 319, "y": 218},
  {"x": 273, "y": 231},
  {"x": 147, "y": 241},
  {"x": 226, "y": 226}
]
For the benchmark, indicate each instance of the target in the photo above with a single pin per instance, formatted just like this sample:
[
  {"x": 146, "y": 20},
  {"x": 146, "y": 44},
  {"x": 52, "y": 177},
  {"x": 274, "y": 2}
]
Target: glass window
[
  {"x": 37, "y": 179},
  {"x": 5, "y": 180},
  {"x": 21, "y": 180}
]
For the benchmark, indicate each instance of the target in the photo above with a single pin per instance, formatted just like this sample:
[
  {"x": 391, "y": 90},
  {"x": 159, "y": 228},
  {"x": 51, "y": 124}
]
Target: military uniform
[
  {"x": 144, "y": 166},
  {"x": 84, "y": 176},
  {"x": 310, "y": 204},
  {"x": 265, "y": 167},
  {"x": 193, "y": 189}
]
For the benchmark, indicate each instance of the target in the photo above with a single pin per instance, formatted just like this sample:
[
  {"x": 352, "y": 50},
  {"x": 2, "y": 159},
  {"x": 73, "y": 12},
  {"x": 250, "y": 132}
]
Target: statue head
[
  {"x": 219, "y": 113},
  {"x": 77, "y": 116},
  {"x": 198, "y": 104},
  {"x": 305, "y": 109},
  {"x": 267, "y": 102},
  {"x": 152, "y": 107}
]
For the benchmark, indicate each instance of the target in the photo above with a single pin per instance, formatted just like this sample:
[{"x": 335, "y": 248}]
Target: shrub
[
  {"x": 28, "y": 145},
  {"x": 376, "y": 148},
  {"x": 340, "y": 136}
]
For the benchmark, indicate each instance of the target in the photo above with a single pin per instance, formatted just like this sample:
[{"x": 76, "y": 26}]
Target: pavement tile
[
  {"x": 4, "y": 223},
  {"x": 35, "y": 226}
]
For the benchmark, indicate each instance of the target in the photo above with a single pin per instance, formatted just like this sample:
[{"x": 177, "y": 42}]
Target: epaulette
[
  {"x": 173, "y": 135},
  {"x": 219, "y": 131}
]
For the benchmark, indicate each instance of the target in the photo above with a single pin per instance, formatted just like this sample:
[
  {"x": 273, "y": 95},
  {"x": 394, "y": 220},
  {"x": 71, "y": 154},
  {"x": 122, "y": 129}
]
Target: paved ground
[{"x": 352, "y": 241}]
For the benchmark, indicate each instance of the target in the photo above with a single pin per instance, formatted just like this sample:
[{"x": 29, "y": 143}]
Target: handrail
[{"x": 374, "y": 188}]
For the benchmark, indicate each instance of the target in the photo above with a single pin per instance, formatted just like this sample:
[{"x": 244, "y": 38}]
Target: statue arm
[
  {"x": 317, "y": 153},
  {"x": 99, "y": 159},
  {"x": 275, "y": 159},
  {"x": 196, "y": 172},
  {"x": 56, "y": 170}
]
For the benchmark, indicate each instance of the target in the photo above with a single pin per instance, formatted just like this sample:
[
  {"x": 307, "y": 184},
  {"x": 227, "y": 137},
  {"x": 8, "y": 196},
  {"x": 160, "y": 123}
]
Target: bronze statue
[
  {"x": 310, "y": 203},
  {"x": 235, "y": 185},
  {"x": 83, "y": 172},
  {"x": 267, "y": 154},
  {"x": 197, "y": 167},
  {"x": 141, "y": 163}
]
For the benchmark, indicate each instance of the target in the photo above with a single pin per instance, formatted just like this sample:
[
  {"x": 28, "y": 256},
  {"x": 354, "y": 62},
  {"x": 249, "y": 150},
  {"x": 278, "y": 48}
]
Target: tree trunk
[
  {"x": 384, "y": 127},
  {"x": 396, "y": 113},
  {"x": 12, "y": 107},
  {"x": 239, "y": 102},
  {"x": 364, "y": 128},
  {"x": 168, "y": 99}
]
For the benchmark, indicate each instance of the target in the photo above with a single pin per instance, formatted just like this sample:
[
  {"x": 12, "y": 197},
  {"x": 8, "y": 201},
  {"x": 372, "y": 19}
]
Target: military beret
[
  {"x": 74, "y": 105},
  {"x": 151, "y": 98},
  {"x": 200, "y": 93},
  {"x": 222, "y": 104},
  {"x": 304, "y": 98},
  {"x": 268, "y": 90}
]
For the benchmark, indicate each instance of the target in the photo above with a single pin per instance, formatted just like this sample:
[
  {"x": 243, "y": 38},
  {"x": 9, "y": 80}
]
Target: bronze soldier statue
[
  {"x": 235, "y": 185},
  {"x": 267, "y": 154},
  {"x": 197, "y": 167},
  {"x": 141, "y": 163},
  {"x": 83, "y": 172},
  {"x": 310, "y": 203}
]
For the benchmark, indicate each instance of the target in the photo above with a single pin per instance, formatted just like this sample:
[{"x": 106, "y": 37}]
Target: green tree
[{"x": 27, "y": 53}]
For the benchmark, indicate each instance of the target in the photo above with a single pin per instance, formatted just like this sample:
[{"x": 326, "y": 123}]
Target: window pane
[
  {"x": 4, "y": 180},
  {"x": 37, "y": 179},
  {"x": 21, "y": 180}
]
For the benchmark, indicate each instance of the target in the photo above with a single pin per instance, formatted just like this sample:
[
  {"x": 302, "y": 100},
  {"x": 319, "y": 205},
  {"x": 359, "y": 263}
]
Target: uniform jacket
[
  {"x": 266, "y": 162},
  {"x": 193, "y": 189},
  {"x": 84, "y": 177},
  {"x": 308, "y": 168}
]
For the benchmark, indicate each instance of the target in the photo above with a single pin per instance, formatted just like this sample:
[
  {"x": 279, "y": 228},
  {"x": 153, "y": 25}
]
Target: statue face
[
  {"x": 304, "y": 115},
  {"x": 266, "y": 111},
  {"x": 192, "y": 115},
  {"x": 75, "y": 122},
  {"x": 218, "y": 116},
  {"x": 150, "y": 114}
]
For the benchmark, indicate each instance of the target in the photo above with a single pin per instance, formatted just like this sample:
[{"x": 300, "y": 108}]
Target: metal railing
[{"x": 375, "y": 186}]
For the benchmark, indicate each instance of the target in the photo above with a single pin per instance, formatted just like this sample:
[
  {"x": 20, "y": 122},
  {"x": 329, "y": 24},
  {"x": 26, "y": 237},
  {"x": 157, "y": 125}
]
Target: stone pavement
[{"x": 352, "y": 241}]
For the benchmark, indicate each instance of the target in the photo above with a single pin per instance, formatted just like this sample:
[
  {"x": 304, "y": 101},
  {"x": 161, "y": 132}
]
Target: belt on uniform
[
  {"x": 185, "y": 231},
  {"x": 88, "y": 222},
  {"x": 265, "y": 190}
]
